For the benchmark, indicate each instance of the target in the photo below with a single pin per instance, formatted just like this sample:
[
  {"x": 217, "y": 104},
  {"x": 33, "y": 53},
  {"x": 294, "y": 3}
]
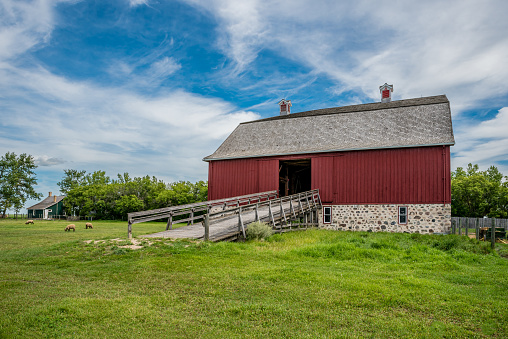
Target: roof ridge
[{"x": 373, "y": 106}]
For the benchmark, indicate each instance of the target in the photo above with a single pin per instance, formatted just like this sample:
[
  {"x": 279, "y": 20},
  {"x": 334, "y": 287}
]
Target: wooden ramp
[{"x": 227, "y": 219}]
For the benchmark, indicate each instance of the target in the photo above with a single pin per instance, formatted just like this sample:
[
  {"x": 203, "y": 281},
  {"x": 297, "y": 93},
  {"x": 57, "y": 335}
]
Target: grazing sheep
[
  {"x": 29, "y": 222},
  {"x": 70, "y": 227},
  {"x": 88, "y": 225}
]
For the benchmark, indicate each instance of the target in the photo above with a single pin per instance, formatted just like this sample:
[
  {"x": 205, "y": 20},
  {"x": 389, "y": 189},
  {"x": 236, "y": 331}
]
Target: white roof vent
[
  {"x": 386, "y": 92},
  {"x": 285, "y": 107}
]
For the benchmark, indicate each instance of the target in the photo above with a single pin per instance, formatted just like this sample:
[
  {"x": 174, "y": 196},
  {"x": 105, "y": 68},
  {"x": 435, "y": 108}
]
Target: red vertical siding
[
  {"x": 229, "y": 178},
  {"x": 268, "y": 175},
  {"x": 399, "y": 176},
  {"x": 322, "y": 176}
]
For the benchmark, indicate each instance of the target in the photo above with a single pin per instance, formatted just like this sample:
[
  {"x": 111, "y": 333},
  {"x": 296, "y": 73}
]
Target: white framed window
[
  {"x": 327, "y": 214},
  {"x": 403, "y": 215}
]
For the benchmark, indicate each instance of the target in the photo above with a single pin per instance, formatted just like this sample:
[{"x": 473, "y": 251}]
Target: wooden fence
[
  {"x": 466, "y": 222},
  {"x": 481, "y": 228}
]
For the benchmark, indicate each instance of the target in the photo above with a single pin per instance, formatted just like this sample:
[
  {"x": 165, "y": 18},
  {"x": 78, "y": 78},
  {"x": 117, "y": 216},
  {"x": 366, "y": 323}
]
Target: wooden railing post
[
  {"x": 493, "y": 233},
  {"x": 270, "y": 213},
  {"x": 240, "y": 222},
  {"x": 169, "y": 225},
  {"x": 282, "y": 214},
  {"x": 207, "y": 226},
  {"x": 129, "y": 230},
  {"x": 291, "y": 209}
]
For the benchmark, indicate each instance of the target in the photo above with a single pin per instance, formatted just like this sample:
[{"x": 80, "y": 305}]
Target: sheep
[
  {"x": 29, "y": 222},
  {"x": 88, "y": 225},
  {"x": 70, "y": 227}
]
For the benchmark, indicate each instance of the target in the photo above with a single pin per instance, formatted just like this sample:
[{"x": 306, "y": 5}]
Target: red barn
[{"x": 381, "y": 167}]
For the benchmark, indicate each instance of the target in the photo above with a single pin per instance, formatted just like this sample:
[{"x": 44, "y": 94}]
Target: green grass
[{"x": 312, "y": 284}]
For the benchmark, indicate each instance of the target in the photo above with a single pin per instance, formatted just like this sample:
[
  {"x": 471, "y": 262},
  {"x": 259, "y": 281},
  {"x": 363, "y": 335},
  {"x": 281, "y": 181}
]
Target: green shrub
[{"x": 258, "y": 230}]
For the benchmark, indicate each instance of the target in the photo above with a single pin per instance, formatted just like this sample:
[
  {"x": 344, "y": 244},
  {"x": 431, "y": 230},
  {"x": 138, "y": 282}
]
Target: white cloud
[
  {"x": 45, "y": 160},
  {"x": 24, "y": 25},
  {"x": 484, "y": 143},
  {"x": 134, "y": 3},
  {"x": 164, "y": 67},
  {"x": 84, "y": 123},
  {"x": 426, "y": 48}
]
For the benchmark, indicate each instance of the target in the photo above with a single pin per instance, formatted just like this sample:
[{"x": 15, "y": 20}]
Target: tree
[
  {"x": 478, "y": 193},
  {"x": 72, "y": 179},
  {"x": 127, "y": 204},
  {"x": 17, "y": 181}
]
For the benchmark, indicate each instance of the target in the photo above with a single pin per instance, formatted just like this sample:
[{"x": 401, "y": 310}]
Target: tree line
[
  {"x": 478, "y": 193},
  {"x": 475, "y": 193},
  {"x": 95, "y": 194}
]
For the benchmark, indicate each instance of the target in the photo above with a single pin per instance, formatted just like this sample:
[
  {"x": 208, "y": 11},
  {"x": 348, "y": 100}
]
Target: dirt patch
[
  {"x": 136, "y": 244},
  {"x": 133, "y": 244}
]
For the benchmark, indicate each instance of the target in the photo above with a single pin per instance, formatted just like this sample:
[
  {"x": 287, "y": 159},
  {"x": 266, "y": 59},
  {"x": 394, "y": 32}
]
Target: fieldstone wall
[{"x": 422, "y": 218}]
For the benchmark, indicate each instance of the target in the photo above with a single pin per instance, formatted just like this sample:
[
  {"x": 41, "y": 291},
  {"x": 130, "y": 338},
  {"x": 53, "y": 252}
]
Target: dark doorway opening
[{"x": 294, "y": 176}]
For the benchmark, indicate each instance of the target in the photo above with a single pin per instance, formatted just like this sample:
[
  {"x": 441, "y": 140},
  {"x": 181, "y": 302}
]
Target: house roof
[
  {"x": 403, "y": 123},
  {"x": 48, "y": 202}
]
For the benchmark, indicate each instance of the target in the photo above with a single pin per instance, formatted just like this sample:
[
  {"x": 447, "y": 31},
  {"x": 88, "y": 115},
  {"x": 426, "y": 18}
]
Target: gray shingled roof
[
  {"x": 403, "y": 123},
  {"x": 48, "y": 202}
]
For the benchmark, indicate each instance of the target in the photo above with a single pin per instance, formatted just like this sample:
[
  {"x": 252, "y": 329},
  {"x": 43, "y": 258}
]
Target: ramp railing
[
  {"x": 284, "y": 213},
  {"x": 229, "y": 218},
  {"x": 196, "y": 211}
]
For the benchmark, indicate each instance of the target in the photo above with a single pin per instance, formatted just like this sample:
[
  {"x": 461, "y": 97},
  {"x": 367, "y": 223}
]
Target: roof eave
[{"x": 207, "y": 159}]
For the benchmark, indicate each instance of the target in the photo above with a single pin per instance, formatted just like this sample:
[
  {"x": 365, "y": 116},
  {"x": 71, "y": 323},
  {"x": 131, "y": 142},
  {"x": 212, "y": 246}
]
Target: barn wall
[
  {"x": 403, "y": 175},
  {"x": 390, "y": 176}
]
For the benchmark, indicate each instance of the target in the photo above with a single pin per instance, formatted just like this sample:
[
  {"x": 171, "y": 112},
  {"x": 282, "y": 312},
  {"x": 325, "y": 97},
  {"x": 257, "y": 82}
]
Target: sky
[{"x": 151, "y": 87}]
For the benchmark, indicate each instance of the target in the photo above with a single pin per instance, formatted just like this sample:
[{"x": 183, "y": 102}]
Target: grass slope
[{"x": 313, "y": 284}]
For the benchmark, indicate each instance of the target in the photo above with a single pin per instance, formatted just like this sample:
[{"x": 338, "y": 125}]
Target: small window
[
  {"x": 327, "y": 214},
  {"x": 402, "y": 214}
]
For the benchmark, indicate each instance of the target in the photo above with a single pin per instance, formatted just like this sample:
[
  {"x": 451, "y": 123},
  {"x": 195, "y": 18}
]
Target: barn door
[{"x": 294, "y": 176}]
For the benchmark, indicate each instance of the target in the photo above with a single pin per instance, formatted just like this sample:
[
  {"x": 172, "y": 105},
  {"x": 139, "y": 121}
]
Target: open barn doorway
[{"x": 294, "y": 176}]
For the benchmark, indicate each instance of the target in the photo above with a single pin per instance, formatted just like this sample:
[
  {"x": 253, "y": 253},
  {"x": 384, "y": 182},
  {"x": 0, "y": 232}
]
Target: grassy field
[{"x": 312, "y": 284}]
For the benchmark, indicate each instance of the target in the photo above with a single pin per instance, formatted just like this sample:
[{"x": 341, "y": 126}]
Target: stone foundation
[{"x": 422, "y": 218}]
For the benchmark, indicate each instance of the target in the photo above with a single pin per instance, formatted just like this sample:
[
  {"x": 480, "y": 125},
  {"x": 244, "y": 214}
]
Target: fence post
[
  {"x": 129, "y": 230},
  {"x": 460, "y": 226},
  {"x": 270, "y": 213},
  {"x": 169, "y": 225},
  {"x": 207, "y": 226},
  {"x": 477, "y": 229},
  {"x": 493, "y": 233},
  {"x": 467, "y": 227},
  {"x": 240, "y": 222}
]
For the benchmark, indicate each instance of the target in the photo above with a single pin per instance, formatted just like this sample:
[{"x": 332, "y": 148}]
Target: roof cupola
[
  {"x": 285, "y": 107},
  {"x": 386, "y": 92}
]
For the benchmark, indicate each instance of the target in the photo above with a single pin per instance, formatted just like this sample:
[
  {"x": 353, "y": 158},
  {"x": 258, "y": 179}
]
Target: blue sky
[{"x": 151, "y": 87}]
